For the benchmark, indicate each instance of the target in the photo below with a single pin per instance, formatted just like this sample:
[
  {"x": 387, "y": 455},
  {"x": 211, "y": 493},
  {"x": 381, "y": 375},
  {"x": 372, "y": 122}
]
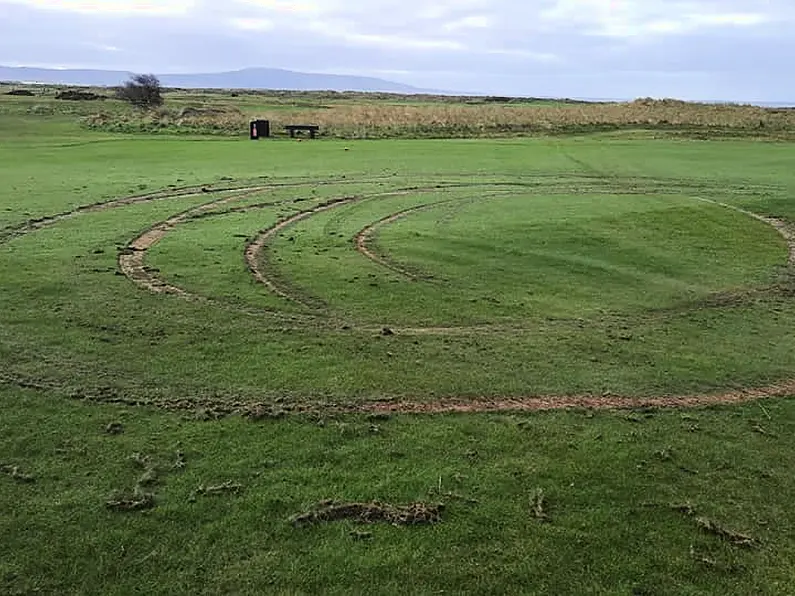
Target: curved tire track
[
  {"x": 254, "y": 250},
  {"x": 540, "y": 403},
  {"x": 131, "y": 262}
]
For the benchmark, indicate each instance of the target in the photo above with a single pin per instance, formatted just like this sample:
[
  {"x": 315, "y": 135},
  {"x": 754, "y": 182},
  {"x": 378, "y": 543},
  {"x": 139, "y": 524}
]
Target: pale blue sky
[{"x": 693, "y": 49}]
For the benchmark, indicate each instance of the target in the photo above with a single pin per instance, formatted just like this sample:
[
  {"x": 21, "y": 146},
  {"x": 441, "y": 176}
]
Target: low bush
[{"x": 78, "y": 95}]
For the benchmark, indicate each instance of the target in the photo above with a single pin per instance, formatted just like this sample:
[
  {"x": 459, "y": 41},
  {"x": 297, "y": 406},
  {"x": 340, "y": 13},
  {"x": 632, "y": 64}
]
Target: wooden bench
[{"x": 292, "y": 128}]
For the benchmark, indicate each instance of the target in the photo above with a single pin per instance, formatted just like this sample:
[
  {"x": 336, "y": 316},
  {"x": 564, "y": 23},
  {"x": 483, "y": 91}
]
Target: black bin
[{"x": 260, "y": 129}]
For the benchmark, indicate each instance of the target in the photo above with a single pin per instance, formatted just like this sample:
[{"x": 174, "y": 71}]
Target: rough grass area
[
  {"x": 643, "y": 502},
  {"x": 444, "y": 120},
  {"x": 209, "y": 349},
  {"x": 375, "y": 116},
  {"x": 534, "y": 268}
]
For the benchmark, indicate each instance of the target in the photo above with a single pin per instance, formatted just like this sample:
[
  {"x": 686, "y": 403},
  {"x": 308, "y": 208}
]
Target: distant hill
[{"x": 249, "y": 78}]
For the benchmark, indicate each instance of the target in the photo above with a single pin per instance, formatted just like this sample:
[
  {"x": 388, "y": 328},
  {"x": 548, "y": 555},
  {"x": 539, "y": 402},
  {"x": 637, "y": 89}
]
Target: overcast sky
[{"x": 692, "y": 49}]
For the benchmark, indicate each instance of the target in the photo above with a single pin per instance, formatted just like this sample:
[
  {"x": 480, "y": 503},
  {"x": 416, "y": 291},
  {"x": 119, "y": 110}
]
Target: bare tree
[{"x": 142, "y": 90}]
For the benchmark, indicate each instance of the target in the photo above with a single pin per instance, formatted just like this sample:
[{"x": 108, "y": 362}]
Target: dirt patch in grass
[
  {"x": 220, "y": 407},
  {"x": 734, "y": 538},
  {"x": 16, "y": 473},
  {"x": 370, "y": 513},
  {"x": 562, "y": 402},
  {"x": 132, "y": 257},
  {"x": 138, "y": 501},
  {"x": 254, "y": 249},
  {"x": 227, "y": 487}
]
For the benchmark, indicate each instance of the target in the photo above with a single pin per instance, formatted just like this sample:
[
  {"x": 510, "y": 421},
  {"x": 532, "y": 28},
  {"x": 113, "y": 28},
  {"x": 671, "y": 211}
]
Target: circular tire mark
[{"x": 131, "y": 262}]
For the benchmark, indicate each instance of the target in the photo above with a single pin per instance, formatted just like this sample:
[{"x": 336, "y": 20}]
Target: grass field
[
  {"x": 203, "y": 337},
  {"x": 380, "y": 116}
]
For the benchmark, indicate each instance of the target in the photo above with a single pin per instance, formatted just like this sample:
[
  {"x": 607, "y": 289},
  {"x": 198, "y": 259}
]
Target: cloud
[
  {"x": 635, "y": 18},
  {"x": 591, "y": 48},
  {"x": 113, "y": 7},
  {"x": 301, "y": 7},
  {"x": 252, "y": 24},
  {"x": 469, "y": 22}
]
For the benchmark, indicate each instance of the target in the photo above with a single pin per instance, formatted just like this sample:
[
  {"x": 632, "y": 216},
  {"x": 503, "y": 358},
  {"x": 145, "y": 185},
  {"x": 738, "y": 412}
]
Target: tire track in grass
[
  {"x": 131, "y": 259},
  {"x": 255, "y": 249},
  {"x": 785, "y": 229},
  {"x": 364, "y": 237},
  {"x": 568, "y": 402},
  {"x": 219, "y": 407},
  {"x": 39, "y": 223},
  {"x": 132, "y": 263},
  {"x": 363, "y": 240}
]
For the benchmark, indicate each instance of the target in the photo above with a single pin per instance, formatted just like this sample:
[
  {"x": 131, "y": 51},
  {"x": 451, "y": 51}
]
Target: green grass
[
  {"x": 610, "y": 480},
  {"x": 620, "y": 307},
  {"x": 530, "y": 255},
  {"x": 598, "y": 265}
]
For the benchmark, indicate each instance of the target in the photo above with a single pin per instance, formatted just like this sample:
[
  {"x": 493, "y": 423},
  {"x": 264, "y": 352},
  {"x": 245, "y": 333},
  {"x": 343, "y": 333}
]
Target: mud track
[
  {"x": 35, "y": 224},
  {"x": 132, "y": 259},
  {"x": 590, "y": 402},
  {"x": 217, "y": 407},
  {"x": 255, "y": 248},
  {"x": 131, "y": 262},
  {"x": 363, "y": 239}
]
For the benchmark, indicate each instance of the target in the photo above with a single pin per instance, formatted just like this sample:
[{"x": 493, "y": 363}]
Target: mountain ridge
[{"x": 247, "y": 78}]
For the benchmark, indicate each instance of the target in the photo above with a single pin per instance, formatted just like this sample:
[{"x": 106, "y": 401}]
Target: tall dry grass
[
  {"x": 367, "y": 121},
  {"x": 383, "y": 120}
]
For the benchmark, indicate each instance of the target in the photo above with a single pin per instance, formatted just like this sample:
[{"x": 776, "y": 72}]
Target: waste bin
[{"x": 259, "y": 129}]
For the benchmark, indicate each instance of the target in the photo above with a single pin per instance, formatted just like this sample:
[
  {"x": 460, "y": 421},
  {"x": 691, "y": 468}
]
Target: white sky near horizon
[{"x": 693, "y": 49}]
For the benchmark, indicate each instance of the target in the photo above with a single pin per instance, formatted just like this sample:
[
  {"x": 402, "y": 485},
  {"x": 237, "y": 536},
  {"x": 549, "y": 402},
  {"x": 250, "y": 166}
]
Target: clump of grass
[
  {"x": 734, "y": 538},
  {"x": 370, "y": 513},
  {"x": 179, "y": 463},
  {"x": 114, "y": 428},
  {"x": 141, "y": 498},
  {"x": 538, "y": 506},
  {"x": 137, "y": 501},
  {"x": 712, "y": 527},
  {"x": 220, "y": 489},
  {"x": 445, "y": 119},
  {"x": 15, "y": 473}
]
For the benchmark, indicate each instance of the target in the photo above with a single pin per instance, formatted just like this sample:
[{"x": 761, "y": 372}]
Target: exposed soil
[
  {"x": 131, "y": 262},
  {"x": 363, "y": 239},
  {"x": 255, "y": 248},
  {"x": 370, "y": 513},
  {"x": 132, "y": 258},
  {"x": 213, "y": 408},
  {"x": 542, "y": 403},
  {"x": 138, "y": 501}
]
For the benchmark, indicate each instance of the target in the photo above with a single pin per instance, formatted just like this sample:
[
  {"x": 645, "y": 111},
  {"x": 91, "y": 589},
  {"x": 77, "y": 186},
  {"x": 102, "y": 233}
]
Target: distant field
[
  {"x": 202, "y": 337},
  {"x": 375, "y": 116}
]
